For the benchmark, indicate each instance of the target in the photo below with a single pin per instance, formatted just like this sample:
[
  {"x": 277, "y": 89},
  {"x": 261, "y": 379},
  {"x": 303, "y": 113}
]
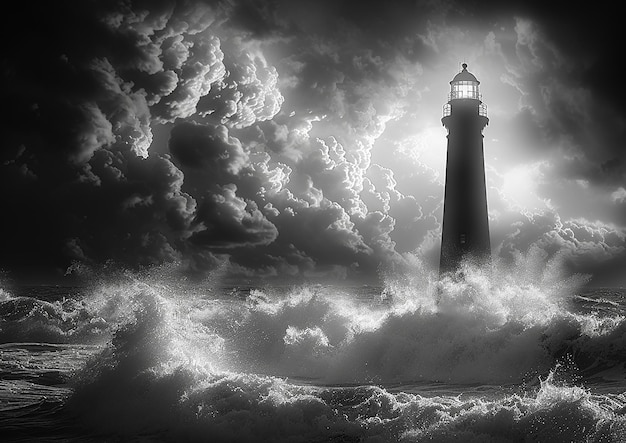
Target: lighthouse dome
[
  {"x": 464, "y": 86},
  {"x": 464, "y": 76}
]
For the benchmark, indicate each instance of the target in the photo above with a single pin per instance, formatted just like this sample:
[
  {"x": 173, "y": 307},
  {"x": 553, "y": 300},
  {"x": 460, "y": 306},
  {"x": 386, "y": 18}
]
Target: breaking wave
[{"x": 483, "y": 355}]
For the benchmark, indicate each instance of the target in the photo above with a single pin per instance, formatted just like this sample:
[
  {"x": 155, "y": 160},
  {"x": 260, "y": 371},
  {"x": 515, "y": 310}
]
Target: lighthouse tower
[{"x": 465, "y": 220}]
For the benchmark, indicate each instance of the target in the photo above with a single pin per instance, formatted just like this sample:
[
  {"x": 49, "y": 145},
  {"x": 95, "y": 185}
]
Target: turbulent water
[{"x": 490, "y": 355}]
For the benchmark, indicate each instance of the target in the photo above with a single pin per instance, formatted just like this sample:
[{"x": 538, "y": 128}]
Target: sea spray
[
  {"x": 479, "y": 326},
  {"x": 315, "y": 363},
  {"x": 484, "y": 327},
  {"x": 133, "y": 393}
]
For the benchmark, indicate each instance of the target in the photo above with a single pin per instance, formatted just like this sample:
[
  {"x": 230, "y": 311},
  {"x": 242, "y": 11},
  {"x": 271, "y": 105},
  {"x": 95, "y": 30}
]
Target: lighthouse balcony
[{"x": 482, "y": 110}]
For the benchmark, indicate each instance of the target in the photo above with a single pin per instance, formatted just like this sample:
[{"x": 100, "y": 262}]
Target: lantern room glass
[{"x": 465, "y": 89}]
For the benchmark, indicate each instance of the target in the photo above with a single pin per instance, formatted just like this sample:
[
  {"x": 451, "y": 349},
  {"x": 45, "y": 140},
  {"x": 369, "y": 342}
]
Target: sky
[{"x": 297, "y": 140}]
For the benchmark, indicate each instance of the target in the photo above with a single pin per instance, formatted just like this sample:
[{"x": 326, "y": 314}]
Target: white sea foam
[{"x": 302, "y": 364}]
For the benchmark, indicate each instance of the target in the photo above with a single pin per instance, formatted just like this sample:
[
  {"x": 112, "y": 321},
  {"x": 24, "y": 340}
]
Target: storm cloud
[{"x": 300, "y": 140}]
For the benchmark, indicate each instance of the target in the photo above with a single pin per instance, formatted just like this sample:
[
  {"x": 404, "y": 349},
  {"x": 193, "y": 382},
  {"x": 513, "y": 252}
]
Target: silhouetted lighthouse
[{"x": 465, "y": 220}]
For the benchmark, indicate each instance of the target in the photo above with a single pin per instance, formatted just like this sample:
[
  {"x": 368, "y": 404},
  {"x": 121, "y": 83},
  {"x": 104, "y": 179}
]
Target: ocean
[{"x": 489, "y": 355}]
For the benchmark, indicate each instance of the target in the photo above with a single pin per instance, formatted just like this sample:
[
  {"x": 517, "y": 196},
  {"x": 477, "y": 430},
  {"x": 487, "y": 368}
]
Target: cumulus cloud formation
[
  {"x": 207, "y": 149},
  {"x": 297, "y": 140},
  {"x": 227, "y": 221},
  {"x": 584, "y": 246}
]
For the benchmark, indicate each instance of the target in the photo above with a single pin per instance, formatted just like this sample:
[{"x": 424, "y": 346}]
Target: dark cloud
[
  {"x": 208, "y": 149},
  {"x": 584, "y": 246},
  {"x": 566, "y": 113},
  {"x": 78, "y": 176},
  {"x": 226, "y": 221},
  {"x": 296, "y": 140}
]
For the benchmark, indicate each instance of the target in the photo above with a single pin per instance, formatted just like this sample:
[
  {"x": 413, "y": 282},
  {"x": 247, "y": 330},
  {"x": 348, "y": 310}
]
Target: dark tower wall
[{"x": 465, "y": 218}]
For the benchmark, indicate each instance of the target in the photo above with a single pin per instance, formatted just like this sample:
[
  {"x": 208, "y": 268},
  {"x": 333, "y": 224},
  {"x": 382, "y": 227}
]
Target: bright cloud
[{"x": 300, "y": 141}]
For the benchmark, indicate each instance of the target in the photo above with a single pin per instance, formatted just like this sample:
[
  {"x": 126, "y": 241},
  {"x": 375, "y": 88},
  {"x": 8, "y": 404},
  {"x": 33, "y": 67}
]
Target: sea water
[{"x": 487, "y": 355}]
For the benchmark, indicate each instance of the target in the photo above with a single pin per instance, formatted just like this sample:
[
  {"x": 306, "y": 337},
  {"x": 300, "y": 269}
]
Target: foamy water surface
[{"x": 486, "y": 355}]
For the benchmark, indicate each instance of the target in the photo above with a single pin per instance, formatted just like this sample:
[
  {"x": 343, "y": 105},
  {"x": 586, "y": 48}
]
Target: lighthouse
[{"x": 465, "y": 231}]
